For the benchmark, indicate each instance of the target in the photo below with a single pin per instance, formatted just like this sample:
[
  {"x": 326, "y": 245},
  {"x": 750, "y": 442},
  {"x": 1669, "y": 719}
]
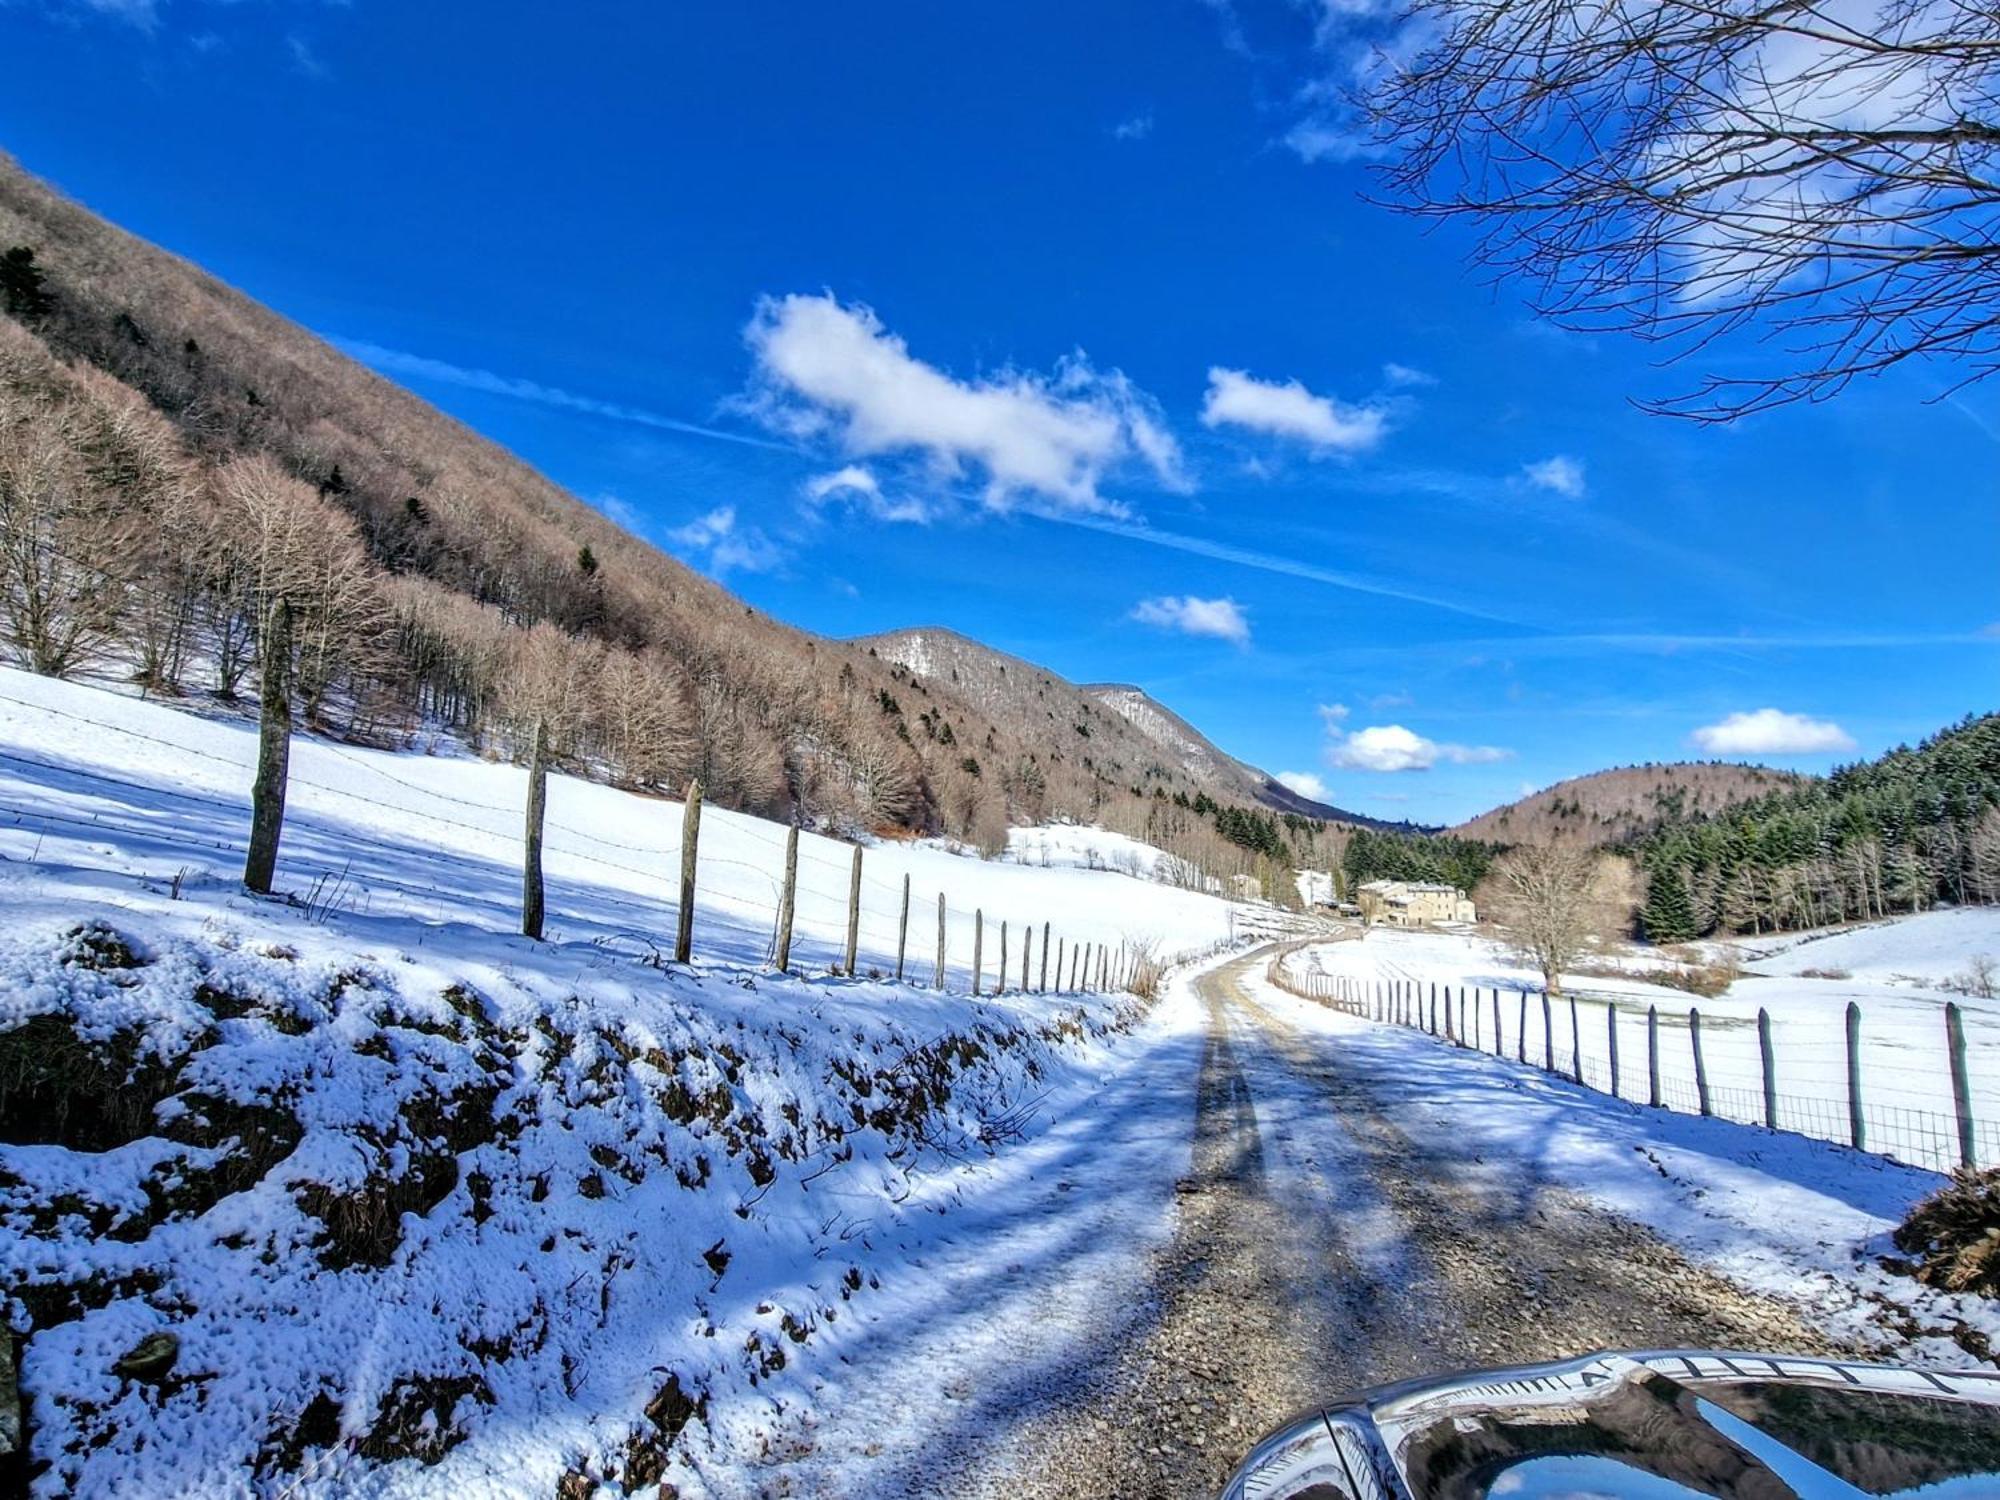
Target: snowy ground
[
  {"x": 1798, "y": 1219},
  {"x": 432, "y": 1210},
  {"x": 110, "y": 791},
  {"x": 1892, "y": 970}
]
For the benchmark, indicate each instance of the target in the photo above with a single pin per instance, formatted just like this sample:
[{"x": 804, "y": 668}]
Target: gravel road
[{"x": 1322, "y": 1246}]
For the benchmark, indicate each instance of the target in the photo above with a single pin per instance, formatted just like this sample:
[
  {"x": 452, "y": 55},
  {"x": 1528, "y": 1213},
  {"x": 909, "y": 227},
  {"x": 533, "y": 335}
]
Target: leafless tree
[
  {"x": 1822, "y": 172},
  {"x": 1545, "y": 896}
]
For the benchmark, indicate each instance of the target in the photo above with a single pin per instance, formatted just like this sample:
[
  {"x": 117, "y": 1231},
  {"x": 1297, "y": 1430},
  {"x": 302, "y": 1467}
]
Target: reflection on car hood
[{"x": 1653, "y": 1426}]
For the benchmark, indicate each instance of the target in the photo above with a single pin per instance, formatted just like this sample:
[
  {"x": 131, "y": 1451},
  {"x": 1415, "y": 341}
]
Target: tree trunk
[{"x": 274, "y": 753}]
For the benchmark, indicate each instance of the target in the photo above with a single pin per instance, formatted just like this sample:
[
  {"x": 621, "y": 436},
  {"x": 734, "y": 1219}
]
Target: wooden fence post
[
  {"x": 538, "y": 807},
  {"x": 1611, "y": 1039},
  {"x": 1961, "y": 1085},
  {"x": 1653, "y": 1055},
  {"x": 274, "y": 758},
  {"x": 1000, "y": 969},
  {"x": 903, "y": 929},
  {"x": 854, "y": 911},
  {"x": 1521, "y": 1034},
  {"x": 1027, "y": 954},
  {"x": 1768, "y": 1057},
  {"x": 690, "y": 847},
  {"x": 978, "y": 947},
  {"x": 1045, "y": 961},
  {"x": 1856, "y": 1130},
  {"x": 940, "y": 952},
  {"x": 1061, "y": 945},
  {"x": 787, "y": 897},
  {"x": 1499, "y": 1048},
  {"x": 1575, "y": 1039},
  {"x": 1548, "y": 1035},
  {"x": 1700, "y": 1064}
]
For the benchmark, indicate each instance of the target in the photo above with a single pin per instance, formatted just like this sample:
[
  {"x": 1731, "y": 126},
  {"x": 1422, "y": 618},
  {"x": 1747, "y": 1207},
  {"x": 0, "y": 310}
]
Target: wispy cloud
[
  {"x": 1559, "y": 475},
  {"x": 1137, "y": 128},
  {"x": 422, "y": 367},
  {"x": 1289, "y": 567},
  {"x": 1305, "y": 783},
  {"x": 304, "y": 59},
  {"x": 728, "y": 546}
]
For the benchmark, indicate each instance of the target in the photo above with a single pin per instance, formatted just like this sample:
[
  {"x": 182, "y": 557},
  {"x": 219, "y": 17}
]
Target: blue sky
[{"x": 1029, "y": 321}]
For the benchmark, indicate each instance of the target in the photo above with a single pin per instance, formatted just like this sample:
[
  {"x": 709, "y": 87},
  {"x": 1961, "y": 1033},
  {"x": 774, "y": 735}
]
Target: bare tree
[
  {"x": 1824, "y": 172},
  {"x": 1545, "y": 898}
]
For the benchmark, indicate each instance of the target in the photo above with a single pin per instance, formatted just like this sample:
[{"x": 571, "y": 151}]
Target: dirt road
[{"x": 1321, "y": 1246}]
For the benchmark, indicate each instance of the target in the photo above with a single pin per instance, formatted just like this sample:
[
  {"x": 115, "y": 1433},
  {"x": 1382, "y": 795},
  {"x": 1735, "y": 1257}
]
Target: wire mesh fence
[{"x": 1882, "y": 1089}]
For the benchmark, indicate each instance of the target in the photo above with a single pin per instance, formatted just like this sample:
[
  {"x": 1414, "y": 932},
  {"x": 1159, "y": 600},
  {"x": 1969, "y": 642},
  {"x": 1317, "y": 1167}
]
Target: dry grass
[{"x": 1954, "y": 1234}]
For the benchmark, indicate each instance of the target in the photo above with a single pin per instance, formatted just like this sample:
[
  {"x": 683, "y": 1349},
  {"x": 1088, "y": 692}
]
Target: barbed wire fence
[{"x": 1698, "y": 1064}]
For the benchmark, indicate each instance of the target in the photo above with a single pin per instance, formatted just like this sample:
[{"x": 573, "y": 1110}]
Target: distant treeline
[
  {"x": 1919, "y": 826},
  {"x": 1379, "y": 854}
]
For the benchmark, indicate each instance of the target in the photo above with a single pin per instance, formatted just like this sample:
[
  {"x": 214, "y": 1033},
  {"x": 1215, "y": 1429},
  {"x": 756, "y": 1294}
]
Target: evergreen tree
[
  {"x": 21, "y": 284},
  {"x": 1668, "y": 915}
]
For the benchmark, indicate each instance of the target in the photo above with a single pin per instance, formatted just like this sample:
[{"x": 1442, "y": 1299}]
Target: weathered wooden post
[
  {"x": 1499, "y": 1042},
  {"x": 1061, "y": 945},
  {"x": 1075, "y": 955},
  {"x": 940, "y": 952},
  {"x": 531, "y": 854},
  {"x": 690, "y": 846},
  {"x": 1611, "y": 1041},
  {"x": 978, "y": 947},
  {"x": 1548, "y": 1035},
  {"x": 1768, "y": 1057},
  {"x": 1961, "y": 1085},
  {"x": 1044, "y": 984},
  {"x": 1434, "y": 1009},
  {"x": 1521, "y": 1035},
  {"x": 1000, "y": 969},
  {"x": 903, "y": 929},
  {"x": 788, "y": 896},
  {"x": 854, "y": 911},
  {"x": 1857, "y": 1132},
  {"x": 1027, "y": 953},
  {"x": 1653, "y": 1055},
  {"x": 1700, "y": 1064},
  {"x": 274, "y": 757},
  {"x": 1575, "y": 1039}
]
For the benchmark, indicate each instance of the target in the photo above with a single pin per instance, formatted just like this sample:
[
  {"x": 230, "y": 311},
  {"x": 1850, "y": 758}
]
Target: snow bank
[{"x": 1930, "y": 949}]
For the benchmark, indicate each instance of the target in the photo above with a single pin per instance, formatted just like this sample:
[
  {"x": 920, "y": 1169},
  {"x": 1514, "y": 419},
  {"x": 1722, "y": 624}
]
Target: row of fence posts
[
  {"x": 1403, "y": 1002},
  {"x": 1091, "y": 966}
]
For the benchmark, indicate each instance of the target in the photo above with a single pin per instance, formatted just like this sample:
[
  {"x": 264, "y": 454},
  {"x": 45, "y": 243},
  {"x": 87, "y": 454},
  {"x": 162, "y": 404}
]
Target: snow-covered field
[
  {"x": 101, "y": 793},
  {"x": 1892, "y": 971}
]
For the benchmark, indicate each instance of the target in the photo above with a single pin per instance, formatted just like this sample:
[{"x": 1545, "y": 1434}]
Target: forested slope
[{"x": 1919, "y": 826}]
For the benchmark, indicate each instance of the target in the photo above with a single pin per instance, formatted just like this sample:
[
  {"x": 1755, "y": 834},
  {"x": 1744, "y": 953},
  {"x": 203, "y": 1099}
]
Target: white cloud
[
  {"x": 1135, "y": 129},
  {"x": 304, "y": 59},
  {"x": 859, "y": 487},
  {"x": 1333, "y": 715},
  {"x": 1289, "y": 410},
  {"x": 730, "y": 547},
  {"x": 1559, "y": 475},
  {"x": 1305, "y": 783},
  {"x": 1391, "y": 747},
  {"x": 1770, "y": 731},
  {"x": 853, "y": 479},
  {"x": 828, "y": 370},
  {"x": 1221, "y": 618},
  {"x": 1316, "y": 141},
  {"x": 1406, "y": 376}
]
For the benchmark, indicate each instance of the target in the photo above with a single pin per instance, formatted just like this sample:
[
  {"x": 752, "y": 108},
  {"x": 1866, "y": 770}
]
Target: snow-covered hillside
[{"x": 103, "y": 791}]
